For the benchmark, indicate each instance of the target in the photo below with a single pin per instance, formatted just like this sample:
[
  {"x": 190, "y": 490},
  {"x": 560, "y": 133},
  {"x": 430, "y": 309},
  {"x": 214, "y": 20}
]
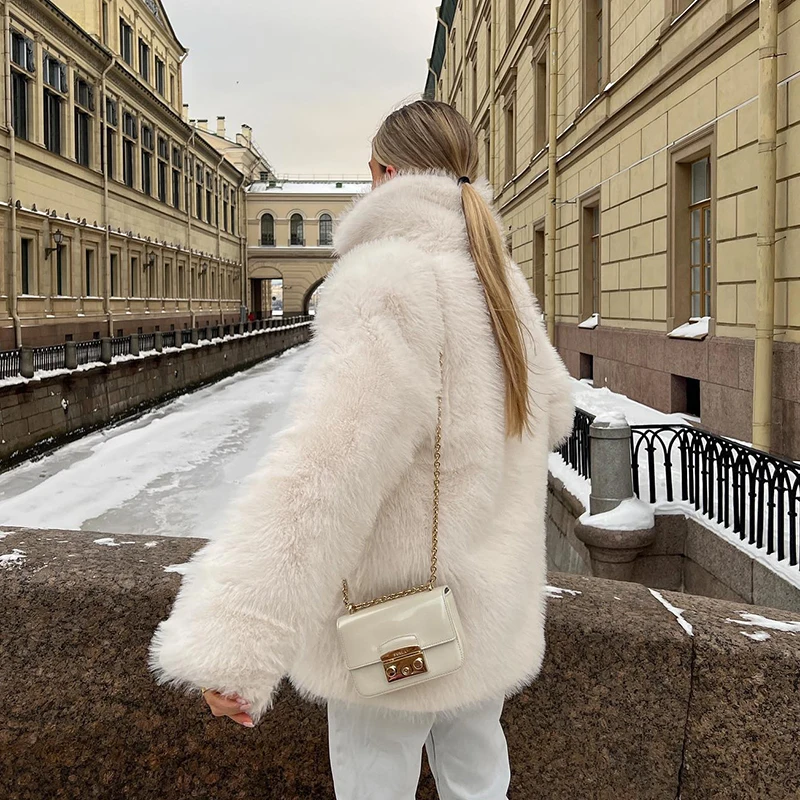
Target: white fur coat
[{"x": 346, "y": 490}]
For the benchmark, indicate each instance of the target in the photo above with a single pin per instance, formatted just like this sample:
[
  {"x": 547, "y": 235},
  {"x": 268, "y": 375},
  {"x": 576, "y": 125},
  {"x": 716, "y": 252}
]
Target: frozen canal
[{"x": 173, "y": 471}]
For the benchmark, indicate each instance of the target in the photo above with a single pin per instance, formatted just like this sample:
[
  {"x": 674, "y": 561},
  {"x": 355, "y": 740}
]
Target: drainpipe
[
  {"x": 106, "y": 212},
  {"x": 12, "y": 186},
  {"x": 552, "y": 165},
  {"x": 765, "y": 248},
  {"x": 492, "y": 166},
  {"x": 219, "y": 238},
  {"x": 188, "y": 202},
  {"x": 242, "y": 211}
]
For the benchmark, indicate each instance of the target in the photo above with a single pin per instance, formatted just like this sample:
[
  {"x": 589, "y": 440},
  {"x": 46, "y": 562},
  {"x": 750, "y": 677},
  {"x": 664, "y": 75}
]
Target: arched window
[
  {"x": 326, "y": 230},
  {"x": 298, "y": 237},
  {"x": 267, "y": 231}
]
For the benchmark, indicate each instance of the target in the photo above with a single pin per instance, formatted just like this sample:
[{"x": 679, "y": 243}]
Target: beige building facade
[
  {"x": 290, "y": 227},
  {"x": 656, "y": 187},
  {"x": 123, "y": 216}
]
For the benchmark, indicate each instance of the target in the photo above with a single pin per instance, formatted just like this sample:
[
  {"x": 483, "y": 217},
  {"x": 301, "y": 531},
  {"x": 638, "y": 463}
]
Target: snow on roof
[{"x": 310, "y": 187}]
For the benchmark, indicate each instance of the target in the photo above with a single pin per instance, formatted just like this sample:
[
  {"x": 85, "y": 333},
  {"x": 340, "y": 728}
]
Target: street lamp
[
  {"x": 151, "y": 260},
  {"x": 58, "y": 238}
]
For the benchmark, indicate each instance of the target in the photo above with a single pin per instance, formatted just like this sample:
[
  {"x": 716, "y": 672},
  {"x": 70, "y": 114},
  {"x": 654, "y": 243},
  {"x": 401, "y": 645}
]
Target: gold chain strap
[{"x": 425, "y": 587}]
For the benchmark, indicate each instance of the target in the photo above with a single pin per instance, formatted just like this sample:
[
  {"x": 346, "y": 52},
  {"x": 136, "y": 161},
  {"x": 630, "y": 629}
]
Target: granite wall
[
  {"x": 628, "y": 706},
  {"x": 39, "y": 413}
]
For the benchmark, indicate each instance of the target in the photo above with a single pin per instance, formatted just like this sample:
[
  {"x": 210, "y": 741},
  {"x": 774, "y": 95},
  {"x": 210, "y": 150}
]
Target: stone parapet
[
  {"x": 40, "y": 413},
  {"x": 628, "y": 706}
]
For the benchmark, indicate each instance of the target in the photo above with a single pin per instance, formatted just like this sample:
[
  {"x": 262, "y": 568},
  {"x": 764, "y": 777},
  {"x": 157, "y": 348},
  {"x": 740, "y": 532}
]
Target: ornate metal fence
[
  {"x": 120, "y": 346},
  {"x": 755, "y": 494},
  {"x": 88, "y": 352},
  {"x": 9, "y": 363},
  {"x": 147, "y": 341},
  {"x": 49, "y": 358},
  {"x": 169, "y": 338}
]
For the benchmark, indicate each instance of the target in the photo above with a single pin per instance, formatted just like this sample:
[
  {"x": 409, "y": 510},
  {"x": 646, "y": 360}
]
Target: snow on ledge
[
  {"x": 695, "y": 328},
  {"x": 557, "y": 592},
  {"x": 765, "y": 622},
  {"x": 630, "y": 515},
  {"x": 611, "y": 419},
  {"x": 580, "y": 488},
  {"x": 590, "y": 323},
  {"x": 678, "y": 612}
]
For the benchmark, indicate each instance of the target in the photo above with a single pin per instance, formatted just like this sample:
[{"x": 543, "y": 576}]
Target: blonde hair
[{"x": 431, "y": 136}]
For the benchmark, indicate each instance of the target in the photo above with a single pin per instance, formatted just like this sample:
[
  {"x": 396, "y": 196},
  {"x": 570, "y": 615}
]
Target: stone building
[
  {"x": 290, "y": 226},
  {"x": 124, "y": 217},
  {"x": 656, "y": 187}
]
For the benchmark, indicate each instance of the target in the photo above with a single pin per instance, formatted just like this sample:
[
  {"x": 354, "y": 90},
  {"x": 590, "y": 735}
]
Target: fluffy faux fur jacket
[{"x": 346, "y": 490}]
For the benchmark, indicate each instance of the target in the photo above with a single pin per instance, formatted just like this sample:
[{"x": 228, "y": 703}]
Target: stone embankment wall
[
  {"x": 39, "y": 413},
  {"x": 629, "y": 705},
  {"x": 686, "y": 556}
]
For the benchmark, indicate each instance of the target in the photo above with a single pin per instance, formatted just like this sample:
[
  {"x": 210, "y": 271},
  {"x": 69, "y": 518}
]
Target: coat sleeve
[{"x": 366, "y": 402}]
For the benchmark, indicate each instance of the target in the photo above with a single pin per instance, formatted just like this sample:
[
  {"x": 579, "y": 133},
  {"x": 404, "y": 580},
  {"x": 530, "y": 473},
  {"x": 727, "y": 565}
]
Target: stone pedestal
[
  {"x": 70, "y": 355},
  {"x": 613, "y": 553},
  {"x": 105, "y": 350}
]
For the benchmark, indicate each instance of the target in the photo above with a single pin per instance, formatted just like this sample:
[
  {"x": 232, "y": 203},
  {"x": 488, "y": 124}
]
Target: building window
[
  {"x": 590, "y": 257},
  {"x": 511, "y": 142},
  {"x": 147, "y": 159},
  {"x": 296, "y": 226},
  {"x": 26, "y": 264},
  {"x": 84, "y": 106},
  {"x": 181, "y": 282},
  {"x": 130, "y": 131},
  {"x": 89, "y": 270},
  {"x": 134, "y": 288},
  {"x": 700, "y": 238},
  {"x": 198, "y": 205},
  {"x": 110, "y": 144},
  {"x": 595, "y": 48},
  {"x": 225, "y": 198},
  {"x": 61, "y": 284},
  {"x": 267, "y": 230},
  {"x": 208, "y": 198},
  {"x": 172, "y": 88},
  {"x": 55, "y": 79},
  {"x": 326, "y": 230},
  {"x": 163, "y": 168},
  {"x": 167, "y": 279},
  {"x": 233, "y": 213},
  {"x": 105, "y": 24},
  {"x": 114, "y": 269},
  {"x": 160, "y": 76},
  {"x": 540, "y": 98},
  {"x": 176, "y": 177},
  {"x": 511, "y": 20},
  {"x": 144, "y": 60},
  {"x": 126, "y": 42},
  {"x": 474, "y": 83},
  {"x": 488, "y": 56},
  {"x": 23, "y": 65},
  {"x": 487, "y": 154}
]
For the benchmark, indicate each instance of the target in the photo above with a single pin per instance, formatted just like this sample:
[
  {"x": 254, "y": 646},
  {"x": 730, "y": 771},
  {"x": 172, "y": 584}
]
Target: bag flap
[{"x": 424, "y": 617}]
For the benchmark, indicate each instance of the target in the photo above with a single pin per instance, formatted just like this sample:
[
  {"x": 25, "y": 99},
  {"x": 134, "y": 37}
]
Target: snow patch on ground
[
  {"x": 179, "y": 568},
  {"x": 150, "y": 544},
  {"x": 557, "y": 591},
  {"x": 765, "y": 622},
  {"x": 577, "y": 486},
  {"x": 15, "y": 559},
  {"x": 678, "y": 612},
  {"x": 758, "y": 636},
  {"x": 630, "y": 515}
]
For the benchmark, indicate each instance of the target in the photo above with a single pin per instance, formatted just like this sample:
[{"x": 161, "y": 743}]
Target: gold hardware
[
  {"x": 404, "y": 663},
  {"x": 429, "y": 586}
]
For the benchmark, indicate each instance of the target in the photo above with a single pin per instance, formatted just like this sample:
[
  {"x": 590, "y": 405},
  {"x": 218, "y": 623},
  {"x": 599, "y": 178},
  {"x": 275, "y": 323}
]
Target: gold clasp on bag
[{"x": 404, "y": 663}]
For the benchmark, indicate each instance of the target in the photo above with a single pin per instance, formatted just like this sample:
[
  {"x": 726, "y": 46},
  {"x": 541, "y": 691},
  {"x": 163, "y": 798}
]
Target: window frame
[
  {"x": 327, "y": 220},
  {"x": 595, "y": 52},
  {"x": 590, "y": 226},
  {"x": 270, "y": 237},
  {"x": 126, "y": 41},
  {"x": 297, "y": 226}
]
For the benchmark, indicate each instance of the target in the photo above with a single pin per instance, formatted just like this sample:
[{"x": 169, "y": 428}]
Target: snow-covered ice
[{"x": 173, "y": 471}]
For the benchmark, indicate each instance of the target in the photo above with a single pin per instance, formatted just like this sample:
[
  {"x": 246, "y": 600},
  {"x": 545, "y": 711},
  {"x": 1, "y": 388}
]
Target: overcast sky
[{"x": 312, "y": 77}]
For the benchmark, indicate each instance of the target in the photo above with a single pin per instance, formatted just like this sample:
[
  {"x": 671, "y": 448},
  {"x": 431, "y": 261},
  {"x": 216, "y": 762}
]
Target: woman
[{"x": 423, "y": 302}]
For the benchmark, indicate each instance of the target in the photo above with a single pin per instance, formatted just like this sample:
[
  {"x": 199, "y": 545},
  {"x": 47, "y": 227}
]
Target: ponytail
[
  {"x": 489, "y": 256},
  {"x": 431, "y": 136}
]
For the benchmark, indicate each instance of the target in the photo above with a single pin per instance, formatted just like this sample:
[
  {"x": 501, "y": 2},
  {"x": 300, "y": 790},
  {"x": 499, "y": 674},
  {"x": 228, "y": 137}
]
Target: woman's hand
[{"x": 235, "y": 707}]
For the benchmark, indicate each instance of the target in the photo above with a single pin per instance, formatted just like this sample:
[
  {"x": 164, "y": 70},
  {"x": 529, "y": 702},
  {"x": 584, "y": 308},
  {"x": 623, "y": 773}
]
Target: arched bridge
[{"x": 302, "y": 270}]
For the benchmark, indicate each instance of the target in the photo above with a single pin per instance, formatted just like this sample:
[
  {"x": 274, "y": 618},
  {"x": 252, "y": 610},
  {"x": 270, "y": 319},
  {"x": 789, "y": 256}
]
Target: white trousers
[{"x": 376, "y": 755}]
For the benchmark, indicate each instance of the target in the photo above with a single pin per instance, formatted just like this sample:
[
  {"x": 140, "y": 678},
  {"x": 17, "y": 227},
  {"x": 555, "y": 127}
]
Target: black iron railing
[
  {"x": 88, "y": 352},
  {"x": 49, "y": 358},
  {"x": 121, "y": 346},
  {"x": 9, "y": 363},
  {"x": 147, "y": 341},
  {"x": 575, "y": 451},
  {"x": 53, "y": 356},
  {"x": 755, "y": 494}
]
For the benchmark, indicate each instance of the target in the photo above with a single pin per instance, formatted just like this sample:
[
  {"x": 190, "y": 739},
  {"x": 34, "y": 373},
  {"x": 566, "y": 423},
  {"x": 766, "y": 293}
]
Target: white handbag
[{"x": 406, "y": 638}]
